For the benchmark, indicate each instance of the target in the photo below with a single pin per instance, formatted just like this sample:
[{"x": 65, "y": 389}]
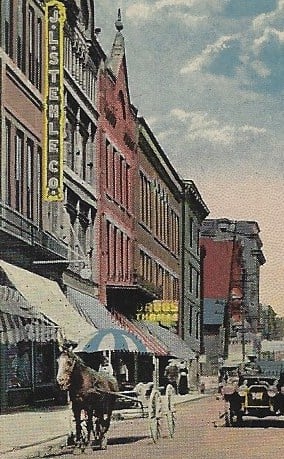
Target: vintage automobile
[{"x": 253, "y": 395}]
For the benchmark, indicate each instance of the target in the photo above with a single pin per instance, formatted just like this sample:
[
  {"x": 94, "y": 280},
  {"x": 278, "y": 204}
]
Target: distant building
[
  {"x": 191, "y": 308},
  {"x": 158, "y": 200},
  {"x": 232, "y": 272}
]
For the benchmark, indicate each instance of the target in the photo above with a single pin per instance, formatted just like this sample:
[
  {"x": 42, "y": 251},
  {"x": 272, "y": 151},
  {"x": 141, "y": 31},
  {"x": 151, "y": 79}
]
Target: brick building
[
  {"x": 116, "y": 140},
  {"x": 231, "y": 284}
]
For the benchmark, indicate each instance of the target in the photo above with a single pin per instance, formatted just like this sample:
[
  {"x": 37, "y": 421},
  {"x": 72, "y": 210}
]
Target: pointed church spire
[
  {"x": 118, "y": 49},
  {"x": 118, "y": 22}
]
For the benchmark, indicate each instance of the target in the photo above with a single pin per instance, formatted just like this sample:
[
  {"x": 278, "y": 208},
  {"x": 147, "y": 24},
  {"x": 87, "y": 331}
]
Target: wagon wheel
[
  {"x": 170, "y": 409},
  {"x": 154, "y": 410}
]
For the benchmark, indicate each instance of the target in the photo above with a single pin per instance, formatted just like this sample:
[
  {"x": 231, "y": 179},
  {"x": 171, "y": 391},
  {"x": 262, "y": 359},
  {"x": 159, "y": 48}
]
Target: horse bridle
[{"x": 72, "y": 366}]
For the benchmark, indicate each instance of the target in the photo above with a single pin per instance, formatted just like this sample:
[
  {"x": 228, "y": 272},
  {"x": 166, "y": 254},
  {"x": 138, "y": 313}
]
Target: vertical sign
[{"x": 53, "y": 125}]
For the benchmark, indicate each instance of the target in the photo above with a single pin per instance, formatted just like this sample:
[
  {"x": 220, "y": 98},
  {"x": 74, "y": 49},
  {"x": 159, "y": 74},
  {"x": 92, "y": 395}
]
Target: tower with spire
[{"x": 118, "y": 48}]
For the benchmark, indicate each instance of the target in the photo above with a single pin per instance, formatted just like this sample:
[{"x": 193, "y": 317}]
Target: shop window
[
  {"x": 19, "y": 365},
  {"x": 44, "y": 358}
]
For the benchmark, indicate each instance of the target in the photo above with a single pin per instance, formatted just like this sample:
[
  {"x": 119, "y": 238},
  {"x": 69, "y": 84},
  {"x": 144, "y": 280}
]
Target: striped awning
[
  {"x": 45, "y": 296},
  {"x": 112, "y": 339},
  {"x": 153, "y": 343},
  {"x": 98, "y": 315},
  {"x": 19, "y": 322}
]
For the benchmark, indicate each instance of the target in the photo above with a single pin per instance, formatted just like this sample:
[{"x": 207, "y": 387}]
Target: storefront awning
[
  {"x": 94, "y": 312},
  {"x": 102, "y": 319},
  {"x": 175, "y": 345},
  {"x": 46, "y": 297},
  {"x": 19, "y": 322},
  {"x": 153, "y": 343}
]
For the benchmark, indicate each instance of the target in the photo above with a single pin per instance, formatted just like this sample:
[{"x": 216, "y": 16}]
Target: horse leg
[
  {"x": 77, "y": 416},
  {"x": 104, "y": 422},
  {"x": 90, "y": 424}
]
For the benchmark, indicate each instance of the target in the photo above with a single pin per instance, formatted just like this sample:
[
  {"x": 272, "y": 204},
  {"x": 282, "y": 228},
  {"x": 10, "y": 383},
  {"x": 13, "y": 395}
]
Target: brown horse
[{"x": 89, "y": 390}]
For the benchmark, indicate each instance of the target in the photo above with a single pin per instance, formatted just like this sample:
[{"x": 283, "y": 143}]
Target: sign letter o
[{"x": 53, "y": 183}]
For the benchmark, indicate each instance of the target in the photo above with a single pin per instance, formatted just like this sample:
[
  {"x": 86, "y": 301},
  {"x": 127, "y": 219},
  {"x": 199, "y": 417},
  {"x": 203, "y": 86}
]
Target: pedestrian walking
[
  {"x": 172, "y": 374},
  {"x": 122, "y": 375},
  {"x": 183, "y": 381}
]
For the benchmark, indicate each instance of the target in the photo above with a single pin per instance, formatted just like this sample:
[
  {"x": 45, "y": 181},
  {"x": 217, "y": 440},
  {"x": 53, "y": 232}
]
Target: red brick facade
[{"x": 116, "y": 138}]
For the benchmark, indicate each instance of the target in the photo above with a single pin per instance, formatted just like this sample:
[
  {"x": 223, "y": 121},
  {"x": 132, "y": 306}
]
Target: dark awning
[
  {"x": 176, "y": 346},
  {"x": 101, "y": 318},
  {"x": 19, "y": 322}
]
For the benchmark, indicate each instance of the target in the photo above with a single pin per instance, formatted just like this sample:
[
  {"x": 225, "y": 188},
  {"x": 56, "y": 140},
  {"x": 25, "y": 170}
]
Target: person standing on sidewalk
[
  {"x": 183, "y": 382},
  {"x": 172, "y": 374},
  {"x": 106, "y": 367},
  {"x": 122, "y": 373}
]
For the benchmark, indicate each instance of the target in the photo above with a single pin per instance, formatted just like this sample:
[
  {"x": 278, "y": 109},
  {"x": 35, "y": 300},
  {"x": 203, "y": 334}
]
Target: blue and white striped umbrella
[{"x": 111, "y": 339}]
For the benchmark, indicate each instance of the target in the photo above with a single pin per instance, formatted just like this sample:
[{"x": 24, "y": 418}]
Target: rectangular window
[
  {"x": 197, "y": 325},
  {"x": 114, "y": 173},
  {"x": 198, "y": 242},
  {"x": 191, "y": 232},
  {"x": 38, "y": 184},
  {"x": 8, "y": 162},
  {"x": 177, "y": 236},
  {"x": 121, "y": 162},
  {"x": 108, "y": 225},
  {"x": 121, "y": 256},
  {"x": 29, "y": 179},
  {"x": 142, "y": 209},
  {"x": 115, "y": 252},
  {"x": 9, "y": 38},
  {"x": 20, "y": 34},
  {"x": 190, "y": 278},
  {"x": 31, "y": 45},
  {"x": 127, "y": 253},
  {"x": 38, "y": 67},
  {"x": 197, "y": 285},
  {"x": 107, "y": 158},
  {"x": 19, "y": 162},
  {"x": 190, "y": 319}
]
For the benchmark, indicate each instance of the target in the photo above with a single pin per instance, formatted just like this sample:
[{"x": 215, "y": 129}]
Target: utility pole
[
  {"x": 226, "y": 321},
  {"x": 243, "y": 315}
]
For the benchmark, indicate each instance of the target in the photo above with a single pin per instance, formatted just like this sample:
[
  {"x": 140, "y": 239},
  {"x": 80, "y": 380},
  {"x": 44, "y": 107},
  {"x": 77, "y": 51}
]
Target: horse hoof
[{"x": 103, "y": 444}]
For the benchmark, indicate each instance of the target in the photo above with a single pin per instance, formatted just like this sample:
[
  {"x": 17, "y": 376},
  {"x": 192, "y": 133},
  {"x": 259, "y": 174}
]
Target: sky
[{"x": 207, "y": 75}]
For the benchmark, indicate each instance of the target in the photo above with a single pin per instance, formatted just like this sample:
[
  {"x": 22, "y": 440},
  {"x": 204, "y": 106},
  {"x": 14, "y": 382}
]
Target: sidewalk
[{"x": 24, "y": 433}]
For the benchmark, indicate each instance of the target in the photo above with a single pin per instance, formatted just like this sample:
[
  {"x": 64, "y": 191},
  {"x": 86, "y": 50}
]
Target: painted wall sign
[{"x": 53, "y": 131}]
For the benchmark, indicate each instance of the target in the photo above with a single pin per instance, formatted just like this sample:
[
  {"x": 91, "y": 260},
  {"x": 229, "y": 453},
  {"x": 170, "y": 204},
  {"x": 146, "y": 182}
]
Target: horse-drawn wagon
[{"x": 93, "y": 396}]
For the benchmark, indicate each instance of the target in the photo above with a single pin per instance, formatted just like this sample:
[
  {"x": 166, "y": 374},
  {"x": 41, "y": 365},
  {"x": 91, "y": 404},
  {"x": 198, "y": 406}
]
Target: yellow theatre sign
[
  {"x": 53, "y": 125},
  {"x": 161, "y": 311}
]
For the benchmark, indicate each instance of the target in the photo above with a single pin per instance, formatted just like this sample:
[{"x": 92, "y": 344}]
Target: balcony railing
[
  {"x": 137, "y": 279},
  {"x": 23, "y": 229}
]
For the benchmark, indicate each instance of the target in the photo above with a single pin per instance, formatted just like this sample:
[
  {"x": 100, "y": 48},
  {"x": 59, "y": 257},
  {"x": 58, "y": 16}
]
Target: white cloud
[
  {"x": 268, "y": 36},
  {"x": 260, "y": 69},
  {"x": 206, "y": 56},
  {"x": 200, "y": 126},
  {"x": 274, "y": 18},
  {"x": 138, "y": 11},
  {"x": 189, "y": 20},
  {"x": 145, "y": 11},
  {"x": 180, "y": 114}
]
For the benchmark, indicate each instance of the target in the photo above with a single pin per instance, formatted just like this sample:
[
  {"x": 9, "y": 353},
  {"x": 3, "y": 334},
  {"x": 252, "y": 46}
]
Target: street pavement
[{"x": 25, "y": 433}]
